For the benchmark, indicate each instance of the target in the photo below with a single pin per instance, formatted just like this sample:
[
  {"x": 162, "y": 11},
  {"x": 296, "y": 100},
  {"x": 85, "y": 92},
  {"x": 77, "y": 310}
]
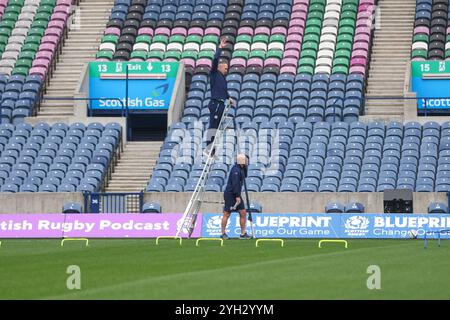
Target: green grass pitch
[{"x": 139, "y": 269}]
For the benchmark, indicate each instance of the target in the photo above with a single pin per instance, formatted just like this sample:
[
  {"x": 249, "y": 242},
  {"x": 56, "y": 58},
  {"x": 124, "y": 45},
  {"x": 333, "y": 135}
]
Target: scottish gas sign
[
  {"x": 150, "y": 85},
  {"x": 431, "y": 80}
]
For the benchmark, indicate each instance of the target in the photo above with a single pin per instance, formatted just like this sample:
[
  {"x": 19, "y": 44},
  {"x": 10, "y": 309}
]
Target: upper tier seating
[
  {"x": 431, "y": 36},
  {"x": 31, "y": 33}
]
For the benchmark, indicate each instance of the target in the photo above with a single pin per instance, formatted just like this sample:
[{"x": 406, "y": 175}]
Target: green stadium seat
[
  {"x": 39, "y": 24},
  {"x": 342, "y": 53},
  {"x": 340, "y": 69},
  {"x": 257, "y": 54},
  {"x": 194, "y": 38},
  {"x": 19, "y": 3},
  {"x": 347, "y": 30},
  {"x": 3, "y": 40},
  {"x": 347, "y": 22},
  {"x": 308, "y": 54},
  {"x": 419, "y": 54},
  {"x": 45, "y": 9},
  {"x": 5, "y": 32},
  {"x": 315, "y": 15},
  {"x": 176, "y": 39},
  {"x": 27, "y": 55},
  {"x": 33, "y": 40},
  {"x": 42, "y": 16},
  {"x": 313, "y": 30},
  {"x": 24, "y": 63},
  {"x": 112, "y": 39},
  {"x": 104, "y": 55},
  {"x": 139, "y": 54},
  {"x": 160, "y": 39},
  {"x": 317, "y": 7},
  {"x": 344, "y": 45},
  {"x": 341, "y": 62},
  {"x": 244, "y": 38},
  {"x": 8, "y": 24},
  {"x": 211, "y": 38},
  {"x": 39, "y": 32},
  {"x": 311, "y": 62},
  {"x": 189, "y": 54},
  {"x": 310, "y": 45},
  {"x": 156, "y": 54},
  {"x": 48, "y": 2},
  {"x": 261, "y": 38},
  {"x": 244, "y": 54},
  {"x": 274, "y": 54},
  {"x": 172, "y": 54},
  {"x": 20, "y": 70},
  {"x": 208, "y": 54},
  {"x": 33, "y": 47},
  {"x": 314, "y": 23},
  {"x": 305, "y": 69}
]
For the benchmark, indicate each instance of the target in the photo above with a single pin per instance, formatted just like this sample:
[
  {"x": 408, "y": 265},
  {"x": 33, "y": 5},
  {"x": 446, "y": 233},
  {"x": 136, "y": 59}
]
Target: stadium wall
[
  {"x": 282, "y": 202},
  {"x": 288, "y": 202}
]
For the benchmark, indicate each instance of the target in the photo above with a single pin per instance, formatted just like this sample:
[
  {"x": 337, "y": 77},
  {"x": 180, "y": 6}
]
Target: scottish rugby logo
[
  {"x": 356, "y": 226},
  {"x": 214, "y": 222},
  {"x": 212, "y": 227}
]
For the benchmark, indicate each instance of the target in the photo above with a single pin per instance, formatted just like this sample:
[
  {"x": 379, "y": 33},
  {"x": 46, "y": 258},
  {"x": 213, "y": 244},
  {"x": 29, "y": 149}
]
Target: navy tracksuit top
[
  {"x": 219, "y": 89},
  {"x": 235, "y": 181}
]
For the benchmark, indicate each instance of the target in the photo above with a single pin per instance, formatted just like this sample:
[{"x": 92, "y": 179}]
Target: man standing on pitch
[
  {"x": 232, "y": 196},
  {"x": 219, "y": 93}
]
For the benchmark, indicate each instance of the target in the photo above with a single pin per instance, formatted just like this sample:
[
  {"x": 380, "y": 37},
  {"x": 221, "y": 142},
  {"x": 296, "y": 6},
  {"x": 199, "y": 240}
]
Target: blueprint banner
[
  {"x": 394, "y": 226},
  {"x": 352, "y": 225},
  {"x": 92, "y": 225},
  {"x": 150, "y": 85},
  {"x": 276, "y": 225}
]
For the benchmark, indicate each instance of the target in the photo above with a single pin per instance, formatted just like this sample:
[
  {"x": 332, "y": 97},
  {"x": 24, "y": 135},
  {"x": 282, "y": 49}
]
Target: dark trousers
[{"x": 216, "y": 109}]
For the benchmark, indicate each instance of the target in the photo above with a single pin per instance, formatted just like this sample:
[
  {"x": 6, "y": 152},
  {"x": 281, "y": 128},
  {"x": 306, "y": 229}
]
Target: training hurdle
[
  {"x": 75, "y": 239},
  {"x": 168, "y": 237},
  {"x": 208, "y": 239},
  {"x": 333, "y": 241},
  {"x": 271, "y": 240},
  {"x": 425, "y": 238}
]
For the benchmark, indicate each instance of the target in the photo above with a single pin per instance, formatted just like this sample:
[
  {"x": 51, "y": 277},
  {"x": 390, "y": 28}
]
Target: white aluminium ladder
[{"x": 194, "y": 204}]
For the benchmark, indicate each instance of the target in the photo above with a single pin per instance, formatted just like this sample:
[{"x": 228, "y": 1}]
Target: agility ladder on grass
[{"x": 193, "y": 207}]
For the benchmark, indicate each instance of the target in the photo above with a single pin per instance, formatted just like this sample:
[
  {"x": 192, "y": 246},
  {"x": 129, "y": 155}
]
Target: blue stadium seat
[
  {"x": 72, "y": 207},
  {"x": 354, "y": 207},
  {"x": 151, "y": 207}
]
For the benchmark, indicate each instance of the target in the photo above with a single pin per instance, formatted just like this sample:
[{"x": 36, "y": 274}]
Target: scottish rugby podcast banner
[
  {"x": 91, "y": 225},
  {"x": 150, "y": 85},
  {"x": 373, "y": 226}
]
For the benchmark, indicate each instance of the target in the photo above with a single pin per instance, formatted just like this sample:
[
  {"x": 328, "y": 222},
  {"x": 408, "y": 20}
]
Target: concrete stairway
[
  {"x": 390, "y": 54},
  {"x": 80, "y": 47},
  {"x": 135, "y": 166}
]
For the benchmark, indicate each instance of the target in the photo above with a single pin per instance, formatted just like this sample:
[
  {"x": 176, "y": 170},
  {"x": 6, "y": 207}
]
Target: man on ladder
[
  {"x": 219, "y": 93},
  {"x": 232, "y": 196}
]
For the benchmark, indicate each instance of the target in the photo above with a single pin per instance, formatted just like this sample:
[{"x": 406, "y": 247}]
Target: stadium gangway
[{"x": 193, "y": 207}]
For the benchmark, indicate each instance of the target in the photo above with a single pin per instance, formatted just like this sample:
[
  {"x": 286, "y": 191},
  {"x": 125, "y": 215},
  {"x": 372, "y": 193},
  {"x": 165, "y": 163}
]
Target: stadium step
[
  {"x": 88, "y": 25},
  {"x": 134, "y": 168},
  {"x": 390, "y": 54}
]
